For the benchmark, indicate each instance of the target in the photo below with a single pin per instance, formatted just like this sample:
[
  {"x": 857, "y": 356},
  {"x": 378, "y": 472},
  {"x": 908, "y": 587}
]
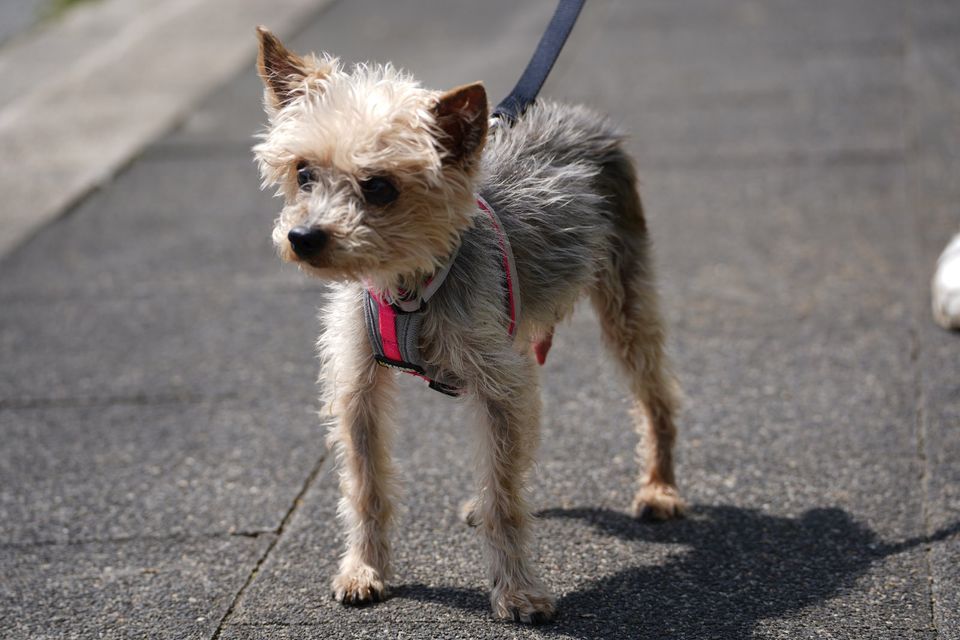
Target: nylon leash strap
[{"x": 551, "y": 43}]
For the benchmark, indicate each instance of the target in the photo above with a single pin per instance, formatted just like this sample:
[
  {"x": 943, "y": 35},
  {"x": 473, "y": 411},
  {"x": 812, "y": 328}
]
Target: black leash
[{"x": 551, "y": 42}]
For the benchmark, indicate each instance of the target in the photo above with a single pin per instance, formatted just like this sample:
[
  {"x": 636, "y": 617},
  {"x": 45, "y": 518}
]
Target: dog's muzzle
[{"x": 307, "y": 242}]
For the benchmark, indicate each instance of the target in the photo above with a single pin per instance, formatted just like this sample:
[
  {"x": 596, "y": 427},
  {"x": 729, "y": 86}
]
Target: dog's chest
[{"x": 471, "y": 308}]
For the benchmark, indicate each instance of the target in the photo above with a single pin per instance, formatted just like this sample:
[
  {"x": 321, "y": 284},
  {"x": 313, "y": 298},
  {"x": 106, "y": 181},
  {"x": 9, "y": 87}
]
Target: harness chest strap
[{"x": 393, "y": 326}]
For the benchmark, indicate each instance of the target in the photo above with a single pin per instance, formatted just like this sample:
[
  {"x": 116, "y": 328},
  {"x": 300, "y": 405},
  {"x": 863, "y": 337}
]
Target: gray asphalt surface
[{"x": 162, "y": 472}]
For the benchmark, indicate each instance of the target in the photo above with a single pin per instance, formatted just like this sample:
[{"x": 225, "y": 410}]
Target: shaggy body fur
[{"x": 565, "y": 192}]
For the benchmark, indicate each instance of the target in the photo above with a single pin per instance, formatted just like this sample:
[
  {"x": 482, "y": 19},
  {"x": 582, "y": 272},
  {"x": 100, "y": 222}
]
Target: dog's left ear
[
  {"x": 461, "y": 115},
  {"x": 282, "y": 72}
]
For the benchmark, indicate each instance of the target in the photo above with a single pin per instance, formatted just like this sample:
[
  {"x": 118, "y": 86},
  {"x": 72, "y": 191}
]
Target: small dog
[{"x": 381, "y": 180}]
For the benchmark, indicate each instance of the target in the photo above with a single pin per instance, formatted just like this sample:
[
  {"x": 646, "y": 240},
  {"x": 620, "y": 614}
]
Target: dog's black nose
[{"x": 307, "y": 241}]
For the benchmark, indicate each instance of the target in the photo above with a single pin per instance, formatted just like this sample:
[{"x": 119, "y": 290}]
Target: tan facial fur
[{"x": 347, "y": 127}]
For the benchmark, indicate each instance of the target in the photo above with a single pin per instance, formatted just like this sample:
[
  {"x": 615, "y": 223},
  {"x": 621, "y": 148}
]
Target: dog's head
[{"x": 376, "y": 172}]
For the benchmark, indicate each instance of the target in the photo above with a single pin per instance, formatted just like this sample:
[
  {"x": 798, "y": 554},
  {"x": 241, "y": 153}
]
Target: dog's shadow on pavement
[{"x": 736, "y": 567}]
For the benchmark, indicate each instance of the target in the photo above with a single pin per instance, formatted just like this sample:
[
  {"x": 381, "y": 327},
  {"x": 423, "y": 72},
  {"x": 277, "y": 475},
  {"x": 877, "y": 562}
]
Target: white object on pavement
[{"x": 946, "y": 286}]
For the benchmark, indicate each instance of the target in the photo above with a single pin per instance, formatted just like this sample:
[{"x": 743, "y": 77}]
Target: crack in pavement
[{"x": 294, "y": 506}]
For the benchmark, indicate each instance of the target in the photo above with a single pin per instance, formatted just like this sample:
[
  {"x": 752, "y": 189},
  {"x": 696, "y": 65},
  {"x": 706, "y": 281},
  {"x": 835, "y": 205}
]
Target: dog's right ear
[{"x": 282, "y": 72}]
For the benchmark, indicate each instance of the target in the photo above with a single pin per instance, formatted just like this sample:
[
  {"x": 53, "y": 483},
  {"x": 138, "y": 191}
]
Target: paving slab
[
  {"x": 364, "y": 31},
  {"x": 675, "y": 106},
  {"x": 70, "y": 474},
  {"x": 164, "y": 226},
  {"x": 742, "y": 82},
  {"x": 795, "y": 236},
  {"x": 139, "y": 588},
  {"x": 209, "y": 343}
]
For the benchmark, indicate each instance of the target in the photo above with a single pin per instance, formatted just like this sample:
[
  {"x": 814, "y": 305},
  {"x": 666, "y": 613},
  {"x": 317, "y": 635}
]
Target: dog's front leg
[
  {"x": 509, "y": 437},
  {"x": 359, "y": 393}
]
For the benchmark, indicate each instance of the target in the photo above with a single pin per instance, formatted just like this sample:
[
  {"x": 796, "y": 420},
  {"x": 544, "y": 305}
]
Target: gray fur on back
[
  {"x": 542, "y": 178},
  {"x": 549, "y": 179}
]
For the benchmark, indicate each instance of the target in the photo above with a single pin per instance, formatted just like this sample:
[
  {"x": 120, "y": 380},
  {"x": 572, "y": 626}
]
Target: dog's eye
[
  {"x": 378, "y": 191},
  {"x": 305, "y": 176}
]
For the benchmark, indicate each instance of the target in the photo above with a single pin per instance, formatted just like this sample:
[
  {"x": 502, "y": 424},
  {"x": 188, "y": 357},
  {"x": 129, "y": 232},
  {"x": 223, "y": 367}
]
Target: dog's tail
[{"x": 618, "y": 183}]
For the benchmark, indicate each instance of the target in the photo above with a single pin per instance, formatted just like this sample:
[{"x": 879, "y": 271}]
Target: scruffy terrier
[{"x": 388, "y": 186}]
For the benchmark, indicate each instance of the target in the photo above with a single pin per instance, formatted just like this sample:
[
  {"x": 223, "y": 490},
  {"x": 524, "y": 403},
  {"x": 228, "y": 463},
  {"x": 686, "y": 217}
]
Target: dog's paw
[
  {"x": 530, "y": 604},
  {"x": 359, "y": 586},
  {"x": 657, "y": 501}
]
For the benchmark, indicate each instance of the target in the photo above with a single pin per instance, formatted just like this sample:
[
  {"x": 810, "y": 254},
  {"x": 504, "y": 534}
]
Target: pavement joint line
[
  {"x": 512, "y": 625},
  {"x": 173, "y": 537},
  {"x": 287, "y": 518},
  {"x": 198, "y": 151},
  {"x": 912, "y": 198},
  {"x": 119, "y": 400},
  {"x": 775, "y": 160},
  {"x": 188, "y": 151},
  {"x": 157, "y": 291},
  {"x": 920, "y": 434}
]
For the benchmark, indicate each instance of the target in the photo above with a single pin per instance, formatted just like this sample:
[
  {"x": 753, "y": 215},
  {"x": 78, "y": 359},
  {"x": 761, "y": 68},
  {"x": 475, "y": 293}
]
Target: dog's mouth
[
  {"x": 328, "y": 263},
  {"x": 312, "y": 263}
]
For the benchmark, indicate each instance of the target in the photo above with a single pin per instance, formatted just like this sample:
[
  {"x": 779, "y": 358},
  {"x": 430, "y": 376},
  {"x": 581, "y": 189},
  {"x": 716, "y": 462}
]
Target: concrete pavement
[
  {"x": 86, "y": 92},
  {"x": 163, "y": 474},
  {"x": 17, "y": 17}
]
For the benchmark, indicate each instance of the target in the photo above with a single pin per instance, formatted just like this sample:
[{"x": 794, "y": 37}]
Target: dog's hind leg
[
  {"x": 359, "y": 394},
  {"x": 625, "y": 299}
]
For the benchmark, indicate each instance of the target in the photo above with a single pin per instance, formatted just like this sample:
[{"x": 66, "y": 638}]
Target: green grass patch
[{"x": 57, "y": 8}]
